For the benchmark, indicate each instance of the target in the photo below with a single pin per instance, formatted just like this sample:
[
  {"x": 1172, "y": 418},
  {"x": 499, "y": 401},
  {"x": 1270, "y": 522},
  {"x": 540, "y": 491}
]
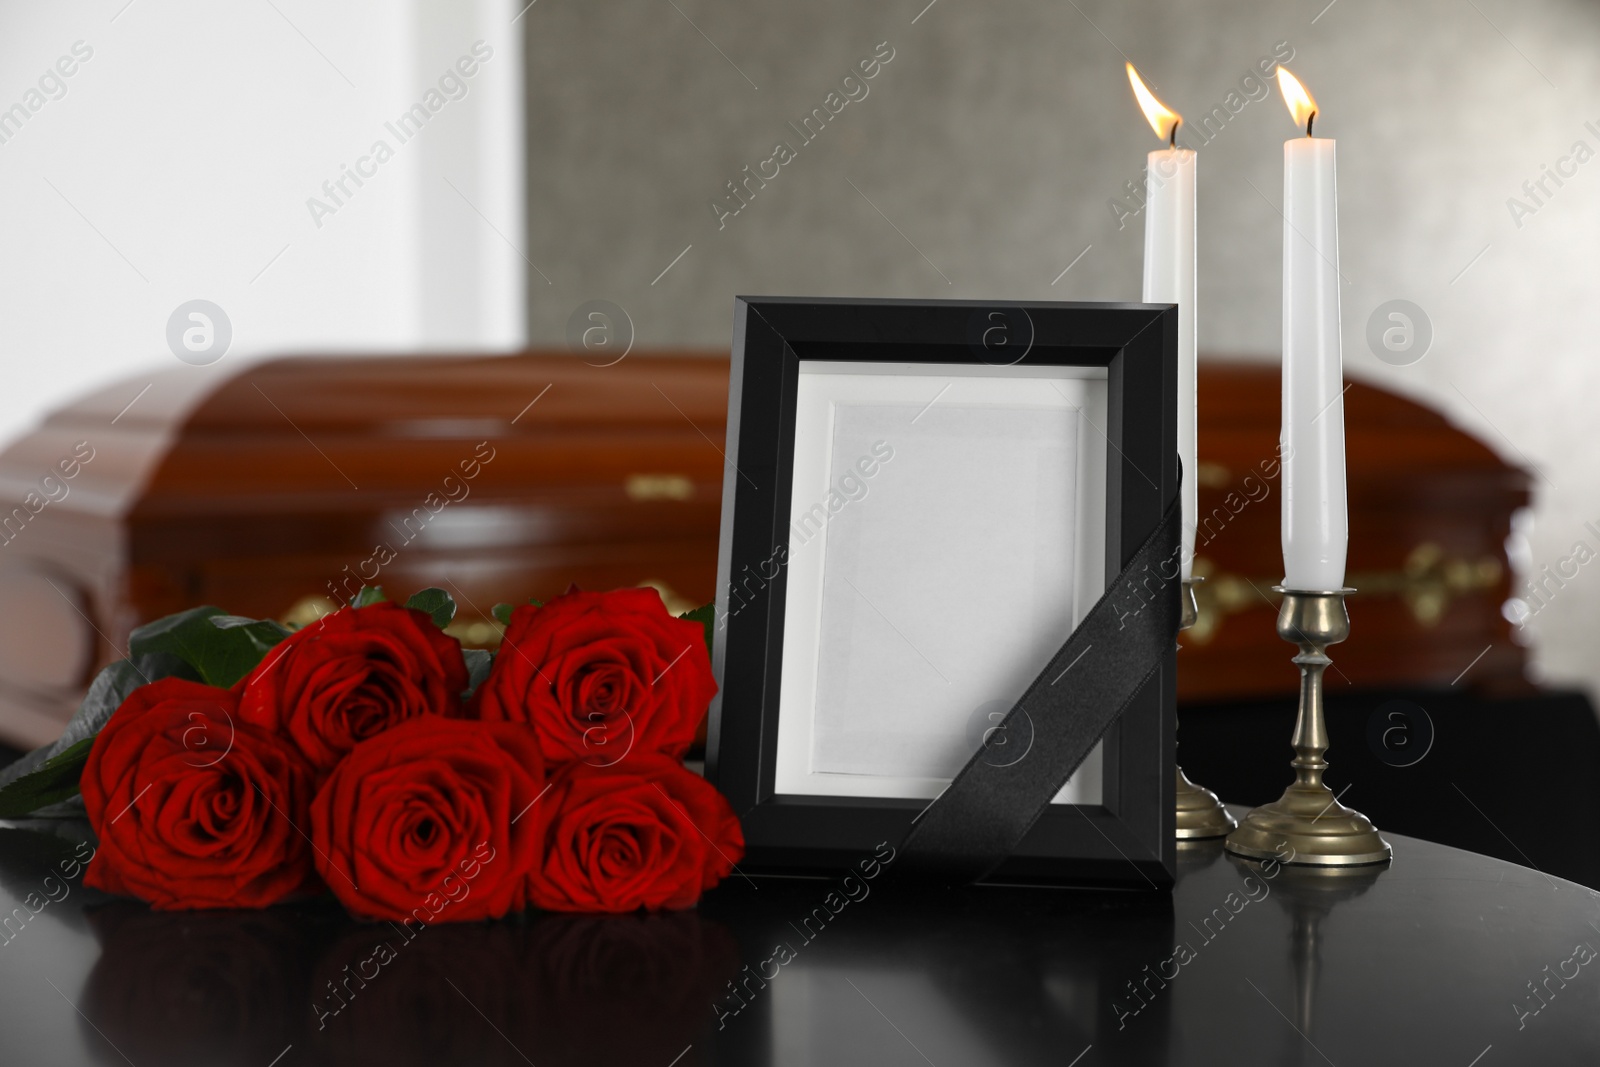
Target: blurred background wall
[
  {"x": 991, "y": 156},
  {"x": 177, "y": 160},
  {"x": 988, "y": 155}
]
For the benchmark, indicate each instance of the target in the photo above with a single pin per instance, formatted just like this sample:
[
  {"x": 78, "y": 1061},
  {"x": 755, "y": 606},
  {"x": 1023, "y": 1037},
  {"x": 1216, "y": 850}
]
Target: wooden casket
[
  {"x": 292, "y": 483},
  {"x": 279, "y": 488},
  {"x": 1431, "y": 509}
]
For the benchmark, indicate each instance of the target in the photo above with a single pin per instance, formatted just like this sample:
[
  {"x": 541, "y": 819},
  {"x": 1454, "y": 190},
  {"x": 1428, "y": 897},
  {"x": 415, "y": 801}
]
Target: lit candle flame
[
  {"x": 1162, "y": 119},
  {"x": 1296, "y": 99}
]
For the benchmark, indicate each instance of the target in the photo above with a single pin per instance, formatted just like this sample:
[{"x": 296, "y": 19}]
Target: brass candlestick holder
[
  {"x": 1307, "y": 825},
  {"x": 1200, "y": 814}
]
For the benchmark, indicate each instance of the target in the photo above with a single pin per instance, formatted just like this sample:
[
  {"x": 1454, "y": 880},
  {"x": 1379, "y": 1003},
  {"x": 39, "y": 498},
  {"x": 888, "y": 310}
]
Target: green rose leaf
[
  {"x": 370, "y": 594},
  {"x": 63, "y": 759},
  {"x": 55, "y": 780},
  {"x": 437, "y": 603},
  {"x": 222, "y": 653},
  {"x": 267, "y": 632},
  {"x": 705, "y": 615},
  {"x": 479, "y": 660},
  {"x": 502, "y": 612}
]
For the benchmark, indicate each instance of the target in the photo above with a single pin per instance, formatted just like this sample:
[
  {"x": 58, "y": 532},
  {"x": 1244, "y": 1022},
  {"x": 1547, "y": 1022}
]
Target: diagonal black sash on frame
[{"x": 989, "y": 807}]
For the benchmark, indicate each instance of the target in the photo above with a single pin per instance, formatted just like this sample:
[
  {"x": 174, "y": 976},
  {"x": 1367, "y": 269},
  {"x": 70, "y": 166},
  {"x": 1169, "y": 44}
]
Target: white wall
[{"x": 179, "y": 161}]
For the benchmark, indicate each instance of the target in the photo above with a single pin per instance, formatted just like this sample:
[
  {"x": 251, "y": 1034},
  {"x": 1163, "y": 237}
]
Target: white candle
[
  {"x": 1169, "y": 277},
  {"x": 1316, "y": 530}
]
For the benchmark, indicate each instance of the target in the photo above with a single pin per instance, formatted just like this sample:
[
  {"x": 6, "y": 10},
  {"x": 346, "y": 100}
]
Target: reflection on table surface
[{"x": 1442, "y": 957}]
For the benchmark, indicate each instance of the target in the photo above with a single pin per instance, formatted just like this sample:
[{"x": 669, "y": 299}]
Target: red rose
[
  {"x": 435, "y": 819},
  {"x": 644, "y": 833},
  {"x": 352, "y": 675},
  {"x": 195, "y": 808},
  {"x": 600, "y": 675}
]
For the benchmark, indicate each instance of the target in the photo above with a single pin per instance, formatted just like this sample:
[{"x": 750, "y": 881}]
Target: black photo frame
[{"x": 1127, "y": 839}]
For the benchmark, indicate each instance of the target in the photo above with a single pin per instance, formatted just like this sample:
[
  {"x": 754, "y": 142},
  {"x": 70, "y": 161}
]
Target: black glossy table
[
  {"x": 1478, "y": 772},
  {"x": 1445, "y": 957}
]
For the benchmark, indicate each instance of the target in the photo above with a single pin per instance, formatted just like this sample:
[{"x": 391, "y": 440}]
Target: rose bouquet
[{"x": 234, "y": 763}]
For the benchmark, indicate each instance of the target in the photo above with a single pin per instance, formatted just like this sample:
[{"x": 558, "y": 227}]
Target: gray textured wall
[{"x": 996, "y": 136}]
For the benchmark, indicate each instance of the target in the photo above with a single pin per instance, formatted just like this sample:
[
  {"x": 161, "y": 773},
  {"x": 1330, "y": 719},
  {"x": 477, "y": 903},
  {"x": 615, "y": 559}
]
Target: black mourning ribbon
[{"x": 989, "y": 807}]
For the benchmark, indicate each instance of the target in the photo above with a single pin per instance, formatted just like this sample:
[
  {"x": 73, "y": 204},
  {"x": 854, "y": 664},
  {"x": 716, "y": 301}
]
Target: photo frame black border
[{"x": 1127, "y": 840}]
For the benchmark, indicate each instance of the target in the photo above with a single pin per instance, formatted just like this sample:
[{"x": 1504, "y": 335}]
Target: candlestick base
[
  {"x": 1307, "y": 826},
  {"x": 1199, "y": 814}
]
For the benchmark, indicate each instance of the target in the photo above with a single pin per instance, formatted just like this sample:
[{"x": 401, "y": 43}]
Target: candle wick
[
  {"x": 1309, "y": 120},
  {"x": 1172, "y": 138}
]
